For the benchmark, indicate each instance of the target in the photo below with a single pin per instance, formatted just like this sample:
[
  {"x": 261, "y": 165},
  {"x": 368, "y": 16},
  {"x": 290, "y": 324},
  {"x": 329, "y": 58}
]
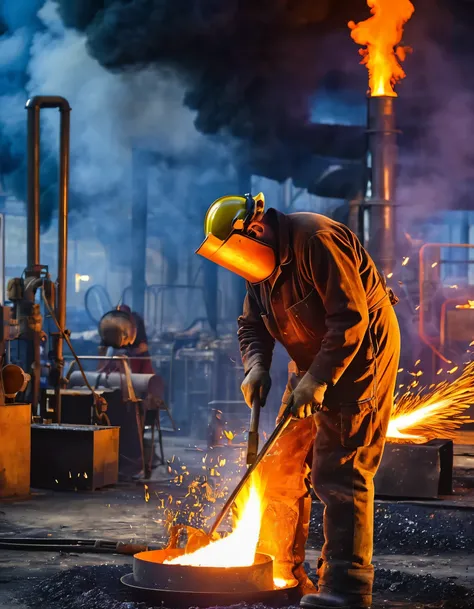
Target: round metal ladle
[{"x": 182, "y": 585}]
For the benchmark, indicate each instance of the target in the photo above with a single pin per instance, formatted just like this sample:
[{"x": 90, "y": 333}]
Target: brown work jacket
[{"x": 318, "y": 304}]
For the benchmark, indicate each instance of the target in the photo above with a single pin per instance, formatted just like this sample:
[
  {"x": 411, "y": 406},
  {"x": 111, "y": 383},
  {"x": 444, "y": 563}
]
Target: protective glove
[
  {"x": 256, "y": 385},
  {"x": 307, "y": 398}
]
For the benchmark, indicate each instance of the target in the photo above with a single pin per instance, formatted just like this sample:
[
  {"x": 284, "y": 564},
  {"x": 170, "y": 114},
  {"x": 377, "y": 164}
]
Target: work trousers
[{"x": 342, "y": 454}]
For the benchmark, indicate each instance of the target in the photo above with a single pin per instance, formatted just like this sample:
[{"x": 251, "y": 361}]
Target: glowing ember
[
  {"x": 239, "y": 547},
  {"x": 422, "y": 417},
  {"x": 380, "y": 35},
  {"x": 468, "y": 305},
  {"x": 229, "y": 435}
]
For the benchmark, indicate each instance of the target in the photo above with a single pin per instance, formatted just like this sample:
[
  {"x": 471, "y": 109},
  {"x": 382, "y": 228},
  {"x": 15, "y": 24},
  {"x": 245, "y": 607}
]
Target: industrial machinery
[{"x": 34, "y": 297}]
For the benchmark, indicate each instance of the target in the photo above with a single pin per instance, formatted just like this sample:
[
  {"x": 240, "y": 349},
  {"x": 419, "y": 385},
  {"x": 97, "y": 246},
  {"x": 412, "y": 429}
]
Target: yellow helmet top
[{"x": 223, "y": 213}]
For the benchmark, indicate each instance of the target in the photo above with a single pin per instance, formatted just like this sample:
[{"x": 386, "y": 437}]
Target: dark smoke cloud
[
  {"x": 168, "y": 70},
  {"x": 250, "y": 67}
]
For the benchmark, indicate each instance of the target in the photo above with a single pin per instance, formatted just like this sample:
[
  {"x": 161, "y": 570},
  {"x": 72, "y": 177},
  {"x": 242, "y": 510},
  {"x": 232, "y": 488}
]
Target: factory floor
[{"x": 423, "y": 550}]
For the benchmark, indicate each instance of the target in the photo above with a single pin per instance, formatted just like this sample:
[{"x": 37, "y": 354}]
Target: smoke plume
[{"x": 202, "y": 82}]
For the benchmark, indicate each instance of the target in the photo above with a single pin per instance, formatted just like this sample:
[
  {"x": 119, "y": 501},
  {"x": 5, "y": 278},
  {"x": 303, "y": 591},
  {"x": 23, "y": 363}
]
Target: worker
[
  {"x": 138, "y": 352},
  {"x": 313, "y": 287}
]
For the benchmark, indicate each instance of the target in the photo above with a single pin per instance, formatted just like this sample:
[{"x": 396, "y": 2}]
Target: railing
[{"x": 422, "y": 281}]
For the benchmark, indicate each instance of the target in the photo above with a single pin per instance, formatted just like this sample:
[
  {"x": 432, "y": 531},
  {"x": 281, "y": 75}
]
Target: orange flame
[
  {"x": 381, "y": 35},
  {"x": 239, "y": 547},
  {"x": 421, "y": 417}
]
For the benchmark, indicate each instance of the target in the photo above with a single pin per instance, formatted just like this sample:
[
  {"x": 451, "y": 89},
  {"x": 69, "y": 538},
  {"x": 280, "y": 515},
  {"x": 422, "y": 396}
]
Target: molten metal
[{"x": 381, "y": 34}]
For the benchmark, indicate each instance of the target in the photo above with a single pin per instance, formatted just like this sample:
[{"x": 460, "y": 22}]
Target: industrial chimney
[{"x": 379, "y": 227}]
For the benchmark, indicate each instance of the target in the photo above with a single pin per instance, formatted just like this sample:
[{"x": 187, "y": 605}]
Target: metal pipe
[
  {"x": 33, "y": 194},
  {"x": 34, "y": 107},
  {"x": 62, "y": 248},
  {"x": 382, "y": 145}
]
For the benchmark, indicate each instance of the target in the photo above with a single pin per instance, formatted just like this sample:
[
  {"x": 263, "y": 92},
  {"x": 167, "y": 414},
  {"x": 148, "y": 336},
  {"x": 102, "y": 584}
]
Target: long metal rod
[
  {"x": 49, "y": 544},
  {"x": 246, "y": 477},
  {"x": 252, "y": 444}
]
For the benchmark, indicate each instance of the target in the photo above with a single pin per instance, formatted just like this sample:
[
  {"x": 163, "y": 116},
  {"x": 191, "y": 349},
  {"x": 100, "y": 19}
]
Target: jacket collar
[{"x": 281, "y": 223}]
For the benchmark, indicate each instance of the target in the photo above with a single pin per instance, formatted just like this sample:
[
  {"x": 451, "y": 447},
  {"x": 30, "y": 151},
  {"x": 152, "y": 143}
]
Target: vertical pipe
[
  {"x": 382, "y": 141},
  {"x": 34, "y": 106},
  {"x": 33, "y": 347},
  {"x": 139, "y": 226},
  {"x": 62, "y": 249},
  {"x": 33, "y": 194}
]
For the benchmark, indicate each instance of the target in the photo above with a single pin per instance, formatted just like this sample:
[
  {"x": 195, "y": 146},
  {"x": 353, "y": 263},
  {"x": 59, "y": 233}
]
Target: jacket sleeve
[
  {"x": 334, "y": 269},
  {"x": 256, "y": 343}
]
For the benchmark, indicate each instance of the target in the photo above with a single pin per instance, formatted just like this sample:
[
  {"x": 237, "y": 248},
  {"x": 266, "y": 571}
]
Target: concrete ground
[{"x": 420, "y": 547}]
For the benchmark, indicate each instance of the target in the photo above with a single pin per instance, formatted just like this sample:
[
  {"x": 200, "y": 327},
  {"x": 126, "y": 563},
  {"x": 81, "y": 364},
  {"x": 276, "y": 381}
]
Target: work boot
[
  {"x": 326, "y": 599},
  {"x": 305, "y": 588}
]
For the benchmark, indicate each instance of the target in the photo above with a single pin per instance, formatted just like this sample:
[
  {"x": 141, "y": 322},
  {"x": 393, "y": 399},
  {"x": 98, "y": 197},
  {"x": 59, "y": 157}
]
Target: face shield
[
  {"x": 117, "y": 329},
  {"x": 227, "y": 242}
]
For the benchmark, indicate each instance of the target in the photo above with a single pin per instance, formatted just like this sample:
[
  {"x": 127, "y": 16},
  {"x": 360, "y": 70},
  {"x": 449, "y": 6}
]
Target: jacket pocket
[
  {"x": 358, "y": 423},
  {"x": 308, "y": 317}
]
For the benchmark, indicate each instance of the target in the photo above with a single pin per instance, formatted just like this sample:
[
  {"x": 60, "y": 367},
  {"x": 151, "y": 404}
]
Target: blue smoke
[{"x": 20, "y": 25}]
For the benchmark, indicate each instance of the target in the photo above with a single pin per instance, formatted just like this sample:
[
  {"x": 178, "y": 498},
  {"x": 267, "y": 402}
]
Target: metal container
[
  {"x": 74, "y": 457},
  {"x": 15, "y": 422},
  {"x": 150, "y": 572},
  {"x": 416, "y": 471}
]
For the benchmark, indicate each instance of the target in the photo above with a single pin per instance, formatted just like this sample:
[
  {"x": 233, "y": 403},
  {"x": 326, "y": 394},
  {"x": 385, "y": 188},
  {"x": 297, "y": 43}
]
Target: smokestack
[{"x": 379, "y": 221}]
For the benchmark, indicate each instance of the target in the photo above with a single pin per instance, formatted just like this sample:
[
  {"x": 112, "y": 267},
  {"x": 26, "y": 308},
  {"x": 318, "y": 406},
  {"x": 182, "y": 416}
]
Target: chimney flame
[{"x": 381, "y": 34}]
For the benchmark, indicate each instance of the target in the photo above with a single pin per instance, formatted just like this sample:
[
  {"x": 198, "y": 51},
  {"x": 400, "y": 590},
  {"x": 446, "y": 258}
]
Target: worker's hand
[
  {"x": 256, "y": 385},
  {"x": 307, "y": 398}
]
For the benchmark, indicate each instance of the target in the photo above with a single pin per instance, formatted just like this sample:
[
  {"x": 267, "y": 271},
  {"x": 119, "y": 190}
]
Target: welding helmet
[
  {"x": 227, "y": 242},
  {"x": 117, "y": 329}
]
